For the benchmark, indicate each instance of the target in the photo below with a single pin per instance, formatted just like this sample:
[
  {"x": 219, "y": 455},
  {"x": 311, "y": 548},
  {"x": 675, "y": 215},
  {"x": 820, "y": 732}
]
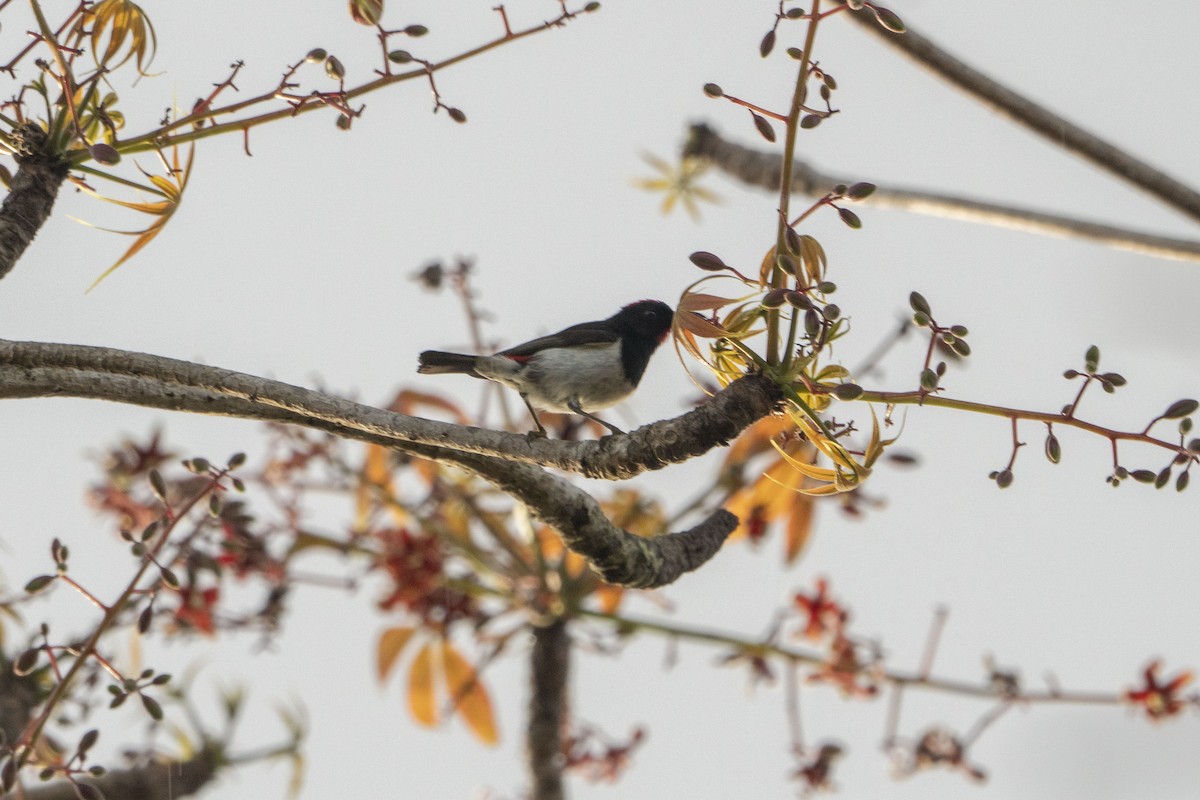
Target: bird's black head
[
  {"x": 648, "y": 319},
  {"x": 643, "y": 327}
]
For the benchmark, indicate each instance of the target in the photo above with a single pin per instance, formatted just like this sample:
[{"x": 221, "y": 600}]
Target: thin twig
[
  {"x": 1036, "y": 118},
  {"x": 762, "y": 169},
  {"x": 935, "y": 632}
]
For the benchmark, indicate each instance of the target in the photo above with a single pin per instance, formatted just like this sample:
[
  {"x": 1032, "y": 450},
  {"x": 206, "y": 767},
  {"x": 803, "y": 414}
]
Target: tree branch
[
  {"x": 762, "y": 169},
  {"x": 1036, "y": 118},
  {"x": 153, "y": 781},
  {"x": 549, "y": 666},
  {"x": 40, "y": 370},
  {"x": 31, "y": 195},
  {"x": 36, "y": 369},
  {"x": 19, "y": 696}
]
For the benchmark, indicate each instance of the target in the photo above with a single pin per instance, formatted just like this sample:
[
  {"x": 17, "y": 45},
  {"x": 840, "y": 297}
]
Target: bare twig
[
  {"x": 1039, "y": 119},
  {"x": 762, "y": 169},
  {"x": 898, "y": 678}
]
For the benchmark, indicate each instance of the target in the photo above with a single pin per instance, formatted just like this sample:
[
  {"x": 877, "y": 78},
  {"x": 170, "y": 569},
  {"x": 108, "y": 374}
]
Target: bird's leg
[
  {"x": 573, "y": 404},
  {"x": 540, "y": 433}
]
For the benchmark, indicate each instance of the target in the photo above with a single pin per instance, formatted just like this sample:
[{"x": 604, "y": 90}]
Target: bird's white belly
[{"x": 593, "y": 375}]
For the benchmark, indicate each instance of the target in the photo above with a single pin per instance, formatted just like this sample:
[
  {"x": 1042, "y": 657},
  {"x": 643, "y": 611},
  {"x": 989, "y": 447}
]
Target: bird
[{"x": 580, "y": 369}]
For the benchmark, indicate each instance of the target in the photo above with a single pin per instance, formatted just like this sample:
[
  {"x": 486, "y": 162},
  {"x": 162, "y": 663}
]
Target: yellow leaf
[
  {"x": 421, "y": 701},
  {"x": 305, "y": 540},
  {"x": 813, "y": 256},
  {"x": 468, "y": 695},
  {"x": 122, "y": 20},
  {"x": 679, "y": 183},
  {"x": 391, "y": 644},
  {"x": 782, "y": 486},
  {"x": 164, "y": 210},
  {"x": 766, "y": 267},
  {"x": 457, "y": 518}
]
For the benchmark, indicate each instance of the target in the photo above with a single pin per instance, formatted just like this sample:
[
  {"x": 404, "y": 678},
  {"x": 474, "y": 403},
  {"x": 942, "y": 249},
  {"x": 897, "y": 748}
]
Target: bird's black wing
[{"x": 599, "y": 332}]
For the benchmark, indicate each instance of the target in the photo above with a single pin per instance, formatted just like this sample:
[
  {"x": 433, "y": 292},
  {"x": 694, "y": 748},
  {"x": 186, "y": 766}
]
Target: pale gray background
[{"x": 295, "y": 264}]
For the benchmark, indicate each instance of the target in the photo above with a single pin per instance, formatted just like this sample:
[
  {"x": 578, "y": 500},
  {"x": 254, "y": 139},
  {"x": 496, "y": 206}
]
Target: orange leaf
[
  {"x": 698, "y": 325},
  {"x": 773, "y": 494},
  {"x": 757, "y": 438},
  {"x": 391, "y": 644},
  {"x": 798, "y": 528},
  {"x": 698, "y": 301},
  {"x": 609, "y": 598},
  {"x": 468, "y": 695},
  {"x": 407, "y": 402},
  {"x": 376, "y": 475},
  {"x": 421, "y": 701}
]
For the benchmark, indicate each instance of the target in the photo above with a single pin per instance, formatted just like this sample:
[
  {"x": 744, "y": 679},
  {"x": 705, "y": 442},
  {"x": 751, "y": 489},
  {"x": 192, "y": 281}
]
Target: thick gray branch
[
  {"x": 32, "y": 369},
  {"x": 153, "y": 781},
  {"x": 1039, "y": 119},
  {"x": 19, "y": 696},
  {"x": 30, "y": 197},
  {"x": 619, "y": 556},
  {"x": 763, "y": 169},
  {"x": 549, "y": 666}
]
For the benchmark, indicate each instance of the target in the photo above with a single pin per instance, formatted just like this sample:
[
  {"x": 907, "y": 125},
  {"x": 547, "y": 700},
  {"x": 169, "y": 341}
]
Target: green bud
[
  {"x": 1181, "y": 408},
  {"x": 764, "y": 128},
  {"x": 707, "y": 261},
  {"x": 847, "y": 391},
  {"x": 919, "y": 304},
  {"x": 1053, "y": 449}
]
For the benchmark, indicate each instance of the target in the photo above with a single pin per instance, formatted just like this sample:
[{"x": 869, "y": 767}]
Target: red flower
[
  {"x": 196, "y": 609},
  {"x": 816, "y": 774},
  {"x": 415, "y": 564},
  {"x": 1160, "y": 700},
  {"x": 844, "y": 668},
  {"x": 824, "y": 615}
]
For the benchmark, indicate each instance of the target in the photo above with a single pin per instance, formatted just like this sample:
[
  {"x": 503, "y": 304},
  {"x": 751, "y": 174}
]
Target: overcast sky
[{"x": 295, "y": 263}]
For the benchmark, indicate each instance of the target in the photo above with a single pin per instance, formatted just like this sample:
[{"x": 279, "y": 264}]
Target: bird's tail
[{"x": 435, "y": 361}]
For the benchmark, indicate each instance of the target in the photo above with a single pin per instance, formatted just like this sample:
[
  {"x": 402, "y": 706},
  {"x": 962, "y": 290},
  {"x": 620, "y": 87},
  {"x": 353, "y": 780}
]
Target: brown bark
[
  {"x": 30, "y": 197},
  {"x": 508, "y": 460},
  {"x": 549, "y": 665}
]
